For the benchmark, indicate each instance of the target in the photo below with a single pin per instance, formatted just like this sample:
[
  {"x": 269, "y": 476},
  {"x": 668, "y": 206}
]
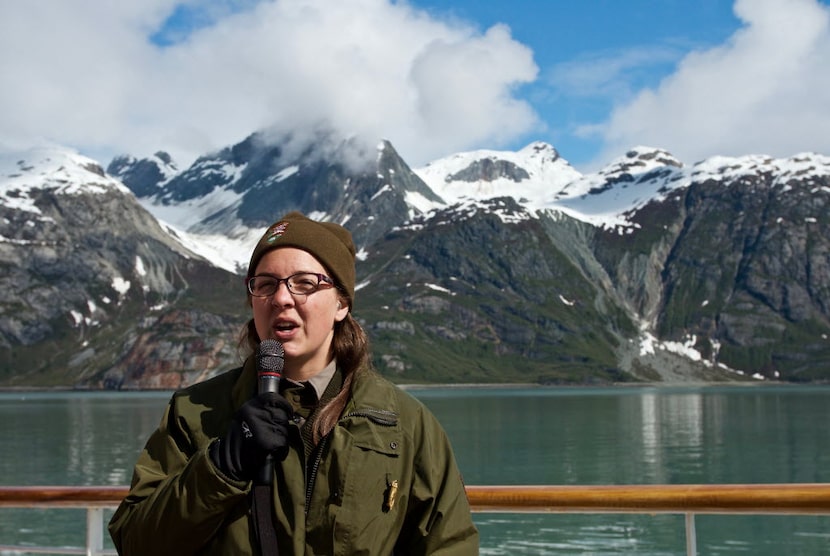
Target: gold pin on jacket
[{"x": 391, "y": 493}]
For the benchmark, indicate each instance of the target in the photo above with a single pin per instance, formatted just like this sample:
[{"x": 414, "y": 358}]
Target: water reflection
[
  {"x": 637, "y": 435},
  {"x": 505, "y": 436},
  {"x": 500, "y": 436},
  {"x": 672, "y": 434},
  {"x": 75, "y": 439},
  {"x": 651, "y": 430},
  {"x": 596, "y": 535}
]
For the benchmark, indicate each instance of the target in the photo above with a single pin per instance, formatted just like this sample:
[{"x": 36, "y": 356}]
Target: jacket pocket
[{"x": 373, "y": 482}]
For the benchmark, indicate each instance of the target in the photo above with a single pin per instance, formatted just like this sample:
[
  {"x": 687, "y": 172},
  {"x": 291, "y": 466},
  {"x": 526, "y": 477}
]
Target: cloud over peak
[
  {"x": 765, "y": 91},
  {"x": 127, "y": 77}
]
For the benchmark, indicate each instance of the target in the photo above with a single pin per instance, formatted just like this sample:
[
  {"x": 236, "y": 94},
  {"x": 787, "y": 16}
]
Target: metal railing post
[
  {"x": 94, "y": 531},
  {"x": 691, "y": 535}
]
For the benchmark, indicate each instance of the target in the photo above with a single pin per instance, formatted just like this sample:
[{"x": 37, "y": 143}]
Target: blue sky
[
  {"x": 591, "y": 77},
  {"x": 642, "y": 39}
]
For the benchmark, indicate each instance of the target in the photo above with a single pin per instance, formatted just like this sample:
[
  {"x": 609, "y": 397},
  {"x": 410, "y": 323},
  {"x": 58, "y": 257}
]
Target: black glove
[{"x": 258, "y": 428}]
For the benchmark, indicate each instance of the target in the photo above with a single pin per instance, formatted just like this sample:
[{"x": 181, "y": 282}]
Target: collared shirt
[{"x": 304, "y": 396}]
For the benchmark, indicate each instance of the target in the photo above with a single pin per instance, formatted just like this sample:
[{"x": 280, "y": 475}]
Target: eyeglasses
[{"x": 302, "y": 283}]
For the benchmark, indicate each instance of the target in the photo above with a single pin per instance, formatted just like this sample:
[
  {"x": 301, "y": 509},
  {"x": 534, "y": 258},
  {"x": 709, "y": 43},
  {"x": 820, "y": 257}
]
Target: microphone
[{"x": 270, "y": 358}]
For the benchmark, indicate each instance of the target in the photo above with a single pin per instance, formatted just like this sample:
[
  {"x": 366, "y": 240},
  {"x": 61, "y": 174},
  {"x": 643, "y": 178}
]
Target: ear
[{"x": 342, "y": 310}]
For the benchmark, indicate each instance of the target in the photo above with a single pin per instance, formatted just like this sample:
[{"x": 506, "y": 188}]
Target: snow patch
[
  {"x": 286, "y": 173},
  {"x": 438, "y": 288},
  {"x": 139, "y": 267},
  {"x": 120, "y": 285}
]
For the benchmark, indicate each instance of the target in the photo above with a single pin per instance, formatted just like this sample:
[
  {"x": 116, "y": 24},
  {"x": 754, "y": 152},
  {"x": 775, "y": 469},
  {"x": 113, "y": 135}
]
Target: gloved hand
[{"x": 258, "y": 428}]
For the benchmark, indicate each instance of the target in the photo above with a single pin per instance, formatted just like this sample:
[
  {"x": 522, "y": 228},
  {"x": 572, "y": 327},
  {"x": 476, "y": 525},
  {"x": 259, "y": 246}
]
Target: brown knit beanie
[{"x": 330, "y": 243}]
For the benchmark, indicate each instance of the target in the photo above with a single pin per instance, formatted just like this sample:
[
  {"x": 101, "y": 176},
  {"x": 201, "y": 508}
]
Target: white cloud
[
  {"x": 765, "y": 91},
  {"x": 616, "y": 74},
  {"x": 85, "y": 74}
]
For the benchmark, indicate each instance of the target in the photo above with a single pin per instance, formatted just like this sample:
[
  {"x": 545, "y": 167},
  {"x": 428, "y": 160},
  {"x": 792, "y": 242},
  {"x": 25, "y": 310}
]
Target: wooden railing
[
  {"x": 809, "y": 498},
  {"x": 689, "y": 500}
]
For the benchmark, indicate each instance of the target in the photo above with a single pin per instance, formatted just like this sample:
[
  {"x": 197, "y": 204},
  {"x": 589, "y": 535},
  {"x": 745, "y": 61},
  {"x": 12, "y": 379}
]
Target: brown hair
[{"x": 351, "y": 349}]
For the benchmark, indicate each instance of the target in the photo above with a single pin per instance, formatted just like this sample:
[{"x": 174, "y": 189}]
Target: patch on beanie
[{"x": 275, "y": 232}]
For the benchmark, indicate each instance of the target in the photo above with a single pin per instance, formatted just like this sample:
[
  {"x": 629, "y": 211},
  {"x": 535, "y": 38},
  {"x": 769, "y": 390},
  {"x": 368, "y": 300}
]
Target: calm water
[{"x": 501, "y": 436}]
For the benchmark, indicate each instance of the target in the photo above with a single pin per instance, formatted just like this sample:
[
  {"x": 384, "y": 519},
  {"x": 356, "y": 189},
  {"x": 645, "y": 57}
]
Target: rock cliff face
[
  {"x": 483, "y": 267},
  {"x": 86, "y": 271},
  {"x": 735, "y": 265},
  {"x": 752, "y": 260},
  {"x": 488, "y": 300}
]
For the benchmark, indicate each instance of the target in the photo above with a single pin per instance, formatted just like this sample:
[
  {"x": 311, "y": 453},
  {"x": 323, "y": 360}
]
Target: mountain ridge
[{"x": 457, "y": 255}]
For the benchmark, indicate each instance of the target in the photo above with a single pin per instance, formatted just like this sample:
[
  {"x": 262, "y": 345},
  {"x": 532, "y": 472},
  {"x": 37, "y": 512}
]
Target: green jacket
[{"x": 179, "y": 503}]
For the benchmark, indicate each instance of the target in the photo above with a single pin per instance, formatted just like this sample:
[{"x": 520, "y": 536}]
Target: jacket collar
[
  {"x": 371, "y": 391},
  {"x": 245, "y": 386}
]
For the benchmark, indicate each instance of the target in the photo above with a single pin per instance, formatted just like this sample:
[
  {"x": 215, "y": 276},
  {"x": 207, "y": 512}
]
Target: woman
[{"x": 360, "y": 466}]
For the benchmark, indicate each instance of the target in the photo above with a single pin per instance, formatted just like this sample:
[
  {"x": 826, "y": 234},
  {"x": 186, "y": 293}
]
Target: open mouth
[{"x": 284, "y": 326}]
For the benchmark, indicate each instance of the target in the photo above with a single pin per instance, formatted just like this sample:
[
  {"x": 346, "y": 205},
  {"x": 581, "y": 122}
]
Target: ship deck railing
[{"x": 688, "y": 500}]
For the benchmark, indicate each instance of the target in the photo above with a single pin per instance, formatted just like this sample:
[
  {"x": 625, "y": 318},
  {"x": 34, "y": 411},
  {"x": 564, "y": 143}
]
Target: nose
[{"x": 282, "y": 297}]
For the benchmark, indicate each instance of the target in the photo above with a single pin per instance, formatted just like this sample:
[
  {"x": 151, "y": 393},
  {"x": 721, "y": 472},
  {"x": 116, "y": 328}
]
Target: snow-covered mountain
[
  {"x": 59, "y": 169},
  {"x": 486, "y": 265},
  {"x": 91, "y": 282},
  {"x": 533, "y": 176},
  {"x": 539, "y": 179},
  {"x": 609, "y": 198},
  {"x": 536, "y": 177},
  {"x": 222, "y": 203}
]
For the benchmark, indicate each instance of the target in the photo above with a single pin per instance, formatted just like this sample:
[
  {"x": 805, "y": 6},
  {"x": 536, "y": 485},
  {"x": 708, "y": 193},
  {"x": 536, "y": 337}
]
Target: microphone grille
[{"x": 270, "y": 356}]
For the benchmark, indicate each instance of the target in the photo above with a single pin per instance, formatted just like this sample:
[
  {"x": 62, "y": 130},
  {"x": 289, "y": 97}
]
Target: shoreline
[{"x": 470, "y": 386}]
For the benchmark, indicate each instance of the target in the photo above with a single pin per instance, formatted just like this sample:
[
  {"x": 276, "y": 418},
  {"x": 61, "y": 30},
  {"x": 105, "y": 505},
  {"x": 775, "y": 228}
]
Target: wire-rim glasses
[{"x": 301, "y": 283}]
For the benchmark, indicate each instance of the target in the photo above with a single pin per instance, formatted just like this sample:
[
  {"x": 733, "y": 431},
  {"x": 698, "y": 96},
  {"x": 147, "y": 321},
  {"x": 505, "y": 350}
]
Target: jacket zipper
[
  {"x": 382, "y": 417},
  {"x": 379, "y": 416},
  {"x": 315, "y": 467}
]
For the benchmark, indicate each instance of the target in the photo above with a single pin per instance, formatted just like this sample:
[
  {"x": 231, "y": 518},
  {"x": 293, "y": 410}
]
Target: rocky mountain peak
[
  {"x": 146, "y": 176},
  {"x": 637, "y": 163},
  {"x": 486, "y": 265},
  {"x": 535, "y": 174},
  {"x": 489, "y": 170},
  {"x": 545, "y": 153},
  {"x": 24, "y": 176}
]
